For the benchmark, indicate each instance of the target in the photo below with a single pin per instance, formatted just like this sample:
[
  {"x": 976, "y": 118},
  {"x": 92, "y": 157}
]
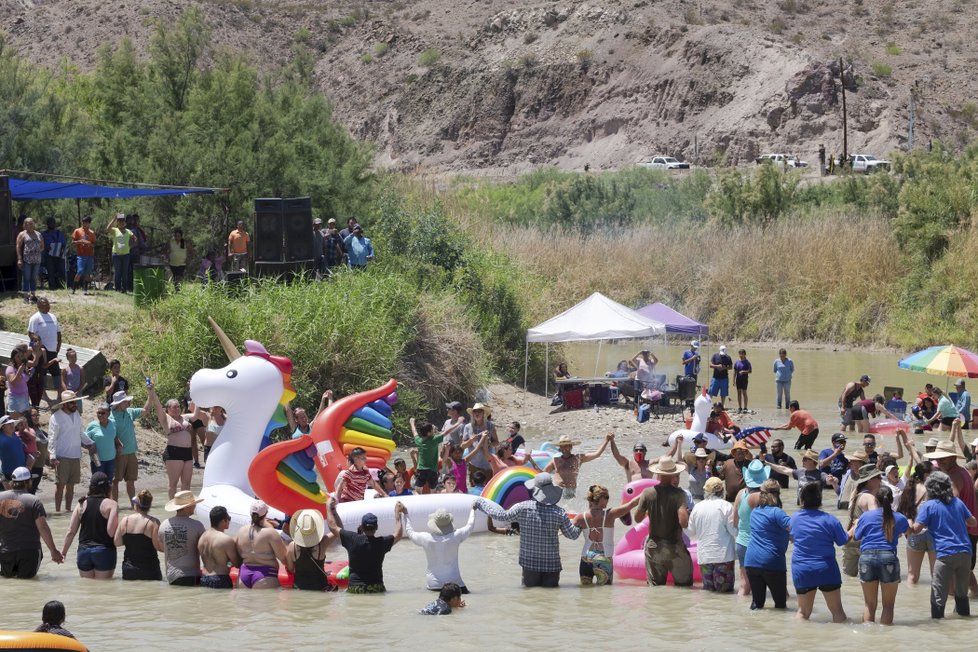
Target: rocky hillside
[{"x": 498, "y": 87}]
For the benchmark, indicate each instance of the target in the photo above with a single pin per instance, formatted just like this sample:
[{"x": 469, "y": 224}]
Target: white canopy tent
[{"x": 595, "y": 318}]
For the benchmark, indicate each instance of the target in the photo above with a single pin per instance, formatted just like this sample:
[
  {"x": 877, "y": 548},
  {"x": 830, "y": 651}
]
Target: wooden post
[{"x": 845, "y": 126}]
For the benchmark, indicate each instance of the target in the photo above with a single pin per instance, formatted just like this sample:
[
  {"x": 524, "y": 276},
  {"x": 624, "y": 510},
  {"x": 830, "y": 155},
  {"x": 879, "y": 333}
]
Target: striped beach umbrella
[{"x": 943, "y": 361}]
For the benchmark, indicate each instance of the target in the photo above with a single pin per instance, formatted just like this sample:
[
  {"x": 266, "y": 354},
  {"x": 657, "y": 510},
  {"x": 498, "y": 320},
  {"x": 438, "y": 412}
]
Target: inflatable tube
[
  {"x": 295, "y": 466},
  {"x": 238, "y": 504},
  {"x": 420, "y": 507},
  {"x": 11, "y": 640},
  {"x": 506, "y": 488},
  {"x": 712, "y": 441},
  {"x": 371, "y": 415},
  {"x": 358, "y": 424},
  {"x": 369, "y": 450},
  {"x": 888, "y": 426},
  {"x": 391, "y": 399},
  {"x": 382, "y": 407},
  {"x": 339, "y": 576},
  {"x": 358, "y": 438}
]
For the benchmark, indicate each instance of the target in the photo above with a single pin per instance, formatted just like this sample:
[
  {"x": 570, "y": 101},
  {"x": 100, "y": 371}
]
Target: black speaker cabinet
[
  {"x": 269, "y": 230},
  {"x": 298, "y": 229}
]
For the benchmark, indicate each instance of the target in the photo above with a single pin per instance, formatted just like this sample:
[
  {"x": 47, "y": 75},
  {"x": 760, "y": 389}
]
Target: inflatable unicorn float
[
  {"x": 298, "y": 474},
  {"x": 701, "y": 412}
]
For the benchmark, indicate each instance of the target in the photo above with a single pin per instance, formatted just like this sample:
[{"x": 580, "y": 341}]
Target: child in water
[
  {"x": 400, "y": 487},
  {"x": 449, "y": 597}
]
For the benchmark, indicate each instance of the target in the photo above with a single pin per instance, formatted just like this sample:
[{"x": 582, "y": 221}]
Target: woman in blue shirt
[
  {"x": 947, "y": 519},
  {"x": 813, "y": 564},
  {"x": 765, "y": 563},
  {"x": 877, "y": 532}
]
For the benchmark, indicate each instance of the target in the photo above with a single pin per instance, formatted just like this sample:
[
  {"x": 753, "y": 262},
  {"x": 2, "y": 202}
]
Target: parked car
[
  {"x": 867, "y": 163},
  {"x": 665, "y": 163},
  {"x": 784, "y": 160}
]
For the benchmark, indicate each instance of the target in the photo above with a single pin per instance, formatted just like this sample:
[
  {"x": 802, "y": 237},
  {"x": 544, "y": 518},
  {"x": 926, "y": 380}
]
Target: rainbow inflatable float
[{"x": 506, "y": 488}]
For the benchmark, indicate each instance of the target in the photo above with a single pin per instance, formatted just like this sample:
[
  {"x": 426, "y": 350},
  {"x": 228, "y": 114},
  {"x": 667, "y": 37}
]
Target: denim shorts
[
  {"x": 741, "y": 553},
  {"x": 922, "y": 542},
  {"x": 100, "y": 558},
  {"x": 85, "y": 265},
  {"x": 879, "y": 566},
  {"x": 16, "y": 403}
]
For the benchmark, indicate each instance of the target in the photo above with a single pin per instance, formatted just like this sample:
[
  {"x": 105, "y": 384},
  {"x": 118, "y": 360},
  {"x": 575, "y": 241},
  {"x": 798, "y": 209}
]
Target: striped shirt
[
  {"x": 354, "y": 484},
  {"x": 539, "y": 547}
]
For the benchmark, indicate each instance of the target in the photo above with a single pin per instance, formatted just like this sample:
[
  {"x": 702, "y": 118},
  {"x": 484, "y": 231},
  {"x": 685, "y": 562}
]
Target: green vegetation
[
  {"x": 882, "y": 70},
  {"x": 429, "y": 57},
  {"x": 367, "y": 58},
  {"x": 381, "y": 48},
  {"x": 892, "y": 49}
]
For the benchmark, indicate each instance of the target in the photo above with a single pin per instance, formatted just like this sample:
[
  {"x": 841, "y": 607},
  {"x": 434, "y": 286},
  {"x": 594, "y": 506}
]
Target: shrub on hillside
[{"x": 429, "y": 57}]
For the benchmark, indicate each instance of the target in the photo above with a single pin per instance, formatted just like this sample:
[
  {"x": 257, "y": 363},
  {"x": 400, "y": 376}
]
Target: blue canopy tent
[{"x": 26, "y": 190}]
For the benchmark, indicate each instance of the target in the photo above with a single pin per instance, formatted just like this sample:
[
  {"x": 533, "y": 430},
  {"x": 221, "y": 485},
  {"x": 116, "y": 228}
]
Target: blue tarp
[{"x": 24, "y": 190}]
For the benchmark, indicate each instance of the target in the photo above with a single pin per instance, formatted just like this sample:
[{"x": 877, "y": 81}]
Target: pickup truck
[
  {"x": 665, "y": 163},
  {"x": 784, "y": 160},
  {"x": 867, "y": 163}
]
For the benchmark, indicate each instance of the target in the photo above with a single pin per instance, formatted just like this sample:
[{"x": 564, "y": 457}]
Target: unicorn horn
[{"x": 225, "y": 341}]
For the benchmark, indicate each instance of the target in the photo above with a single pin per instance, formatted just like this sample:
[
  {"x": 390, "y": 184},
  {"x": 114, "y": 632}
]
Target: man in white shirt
[
  {"x": 44, "y": 326},
  {"x": 65, "y": 440}
]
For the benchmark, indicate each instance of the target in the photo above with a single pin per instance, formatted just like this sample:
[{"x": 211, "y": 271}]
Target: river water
[{"x": 119, "y": 615}]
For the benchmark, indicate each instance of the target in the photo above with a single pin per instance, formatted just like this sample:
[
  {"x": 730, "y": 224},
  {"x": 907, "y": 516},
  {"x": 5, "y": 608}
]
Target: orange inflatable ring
[{"x": 38, "y": 641}]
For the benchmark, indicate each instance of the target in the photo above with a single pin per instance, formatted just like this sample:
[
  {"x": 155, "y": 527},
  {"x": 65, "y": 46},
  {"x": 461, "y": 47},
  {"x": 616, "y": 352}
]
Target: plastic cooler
[{"x": 573, "y": 399}]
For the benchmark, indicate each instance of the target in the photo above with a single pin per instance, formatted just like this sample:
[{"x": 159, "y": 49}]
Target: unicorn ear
[
  {"x": 229, "y": 348},
  {"x": 252, "y": 347}
]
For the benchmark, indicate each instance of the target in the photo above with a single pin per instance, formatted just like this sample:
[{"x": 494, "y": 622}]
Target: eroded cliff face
[{"x": 503, "y": 86}]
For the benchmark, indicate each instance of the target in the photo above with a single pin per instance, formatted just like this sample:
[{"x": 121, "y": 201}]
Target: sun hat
[
  {"x": 932, "y": 442},
  {"x": 441, "y": 522},
  {"x": 695, "y": 344},
  {"x": 565, "y": 440},
  {"x": 259, "y": 507},
  {"x": 712, "y": 485},
  {"x": 740, "y": 446},
  {"x": 308, "y": 528},
  {"x": 369, "y": 521},
  {"x": 22, "y": 474},
  {"x": 480, "y": 406},
  {"x": 67, "y": 396},
  {"x": 120, "y": 397},
  {"x": 944, "y": 449},
  {"x": 543, "y": 490},
  {"x": 810, "y": 455},
  {"x": 756, "y": 473},
  {"x": 867, "y": 473},
  {"x": 701, "y": 452},
  {"x": 859, "y": 456},
  {"x": 181, "y": 500},
  {"x": 667, "y": 466},
  {"x": 5, "y": 419}
]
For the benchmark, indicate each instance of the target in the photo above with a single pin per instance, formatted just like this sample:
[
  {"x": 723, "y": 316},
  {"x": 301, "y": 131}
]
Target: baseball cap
[
  {"x": 317, "y": 221},
  {"x": 838, "y": 437},
  {"x": 259, "y": 507},
  {"x": 357, "y": 227},
  {"x": 455, "y": 405},
  {"x": 699, "y": 437},
  {"x": 695, "y": 344},
  {"x": 864, "y": 379},
  {"x": 639, "y": 447},
  {"x": 369, "y": 520},
  {"x": 5, "y": 419},
  {"x": 331, "y": 220},
  {"x": 21, "y": 474},
  {"x": 723, "y": 349}
]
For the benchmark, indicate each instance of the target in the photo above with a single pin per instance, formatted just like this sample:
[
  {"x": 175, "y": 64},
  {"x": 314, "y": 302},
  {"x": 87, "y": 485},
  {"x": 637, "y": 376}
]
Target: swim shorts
[
  {"x": 824, "y": 588},
  {"x": 879, "y": 566},
  {"x": 22, "y": 564},
  {"x": 126, "y": 467},
  {"x": 136, "y": 573},
  {"x": 718, "y": 577},
  {"x": 20, "y": 404},
  {"x": 85, "y": 265},
  {"x": 720, "y": 387},
  {"x": 366, "y": 588},
  {"x": 178, "y": 454},
  {"x": 741, "y": 382},
  {"x": 249, "y": 575},
  {"x": 216, "y": 581},
  {"x": 96, "y": 558},
  {"x": 595, "y": 568},
  {"x": 68, "y": 471},
  {"x": 426, "y": 477},
  {"x": 663, "y": 557}
]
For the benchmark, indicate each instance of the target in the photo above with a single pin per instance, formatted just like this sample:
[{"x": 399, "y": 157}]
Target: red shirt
[{"x": 803, "y": 421}]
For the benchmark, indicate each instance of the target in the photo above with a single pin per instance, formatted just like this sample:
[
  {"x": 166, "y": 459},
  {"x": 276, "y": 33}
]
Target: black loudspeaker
[
  {"x": 269, "y": 230},
  {"x": 298, "y": 229}
]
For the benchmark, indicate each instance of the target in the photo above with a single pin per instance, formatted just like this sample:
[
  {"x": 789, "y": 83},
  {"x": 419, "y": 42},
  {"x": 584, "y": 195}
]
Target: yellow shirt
[
  {"x": 120, "y": 241},
  {"x": 178, "y": 254}
]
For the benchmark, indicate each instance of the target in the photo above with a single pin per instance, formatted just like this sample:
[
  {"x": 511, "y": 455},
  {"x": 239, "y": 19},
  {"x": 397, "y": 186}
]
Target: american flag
[{"x": 755, "y": 436}]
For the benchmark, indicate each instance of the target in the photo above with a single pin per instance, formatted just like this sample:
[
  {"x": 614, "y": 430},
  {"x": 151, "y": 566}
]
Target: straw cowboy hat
[
  {"x": 181, "y": 500},
  {"x": 67, "y": 396},
  {"x": 943, "y": 449},
  {"x": 667, "y": 466},
  {"x": 859, "y": 456},
  {"x": 480, "y": 406},
  {"x": 810, "y": 455},
  {"x": 441, "y": 522},
  {"x": 756, "y": 473},
  {"x": 543, "y": 490},
  {"x": 567, "y": 441},
  {"x": 867, "y": 473},
  {"x": 308, "y": 528}
]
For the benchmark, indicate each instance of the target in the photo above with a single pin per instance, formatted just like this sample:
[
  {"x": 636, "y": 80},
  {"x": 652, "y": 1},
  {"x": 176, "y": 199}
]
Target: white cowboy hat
[
  {"x": 181, "y": 500},
  {"x": 480, "y": 406},
  {"x": 308, "y": 528},
  {"x": 67, "y": 396},
  {"x": 566, "y": 441},
  {"x": 667, "y": 466},
  {"x": 943, "y": 449}
]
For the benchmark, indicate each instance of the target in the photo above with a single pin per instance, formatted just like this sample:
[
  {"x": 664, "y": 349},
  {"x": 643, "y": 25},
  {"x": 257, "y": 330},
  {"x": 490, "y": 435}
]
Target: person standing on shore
[
  {"x": 742, "y": 371},
  {"x": 784, "y": 369},
  {"x": 720, "y": 363},
  {"x": 691, "y": 360},
  {"x": 963, "y": 404}
]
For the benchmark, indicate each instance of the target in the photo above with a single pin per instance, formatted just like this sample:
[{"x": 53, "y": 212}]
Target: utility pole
[
  {"x": 845, "y": 125},
  {"x": 910, "y": 126}
]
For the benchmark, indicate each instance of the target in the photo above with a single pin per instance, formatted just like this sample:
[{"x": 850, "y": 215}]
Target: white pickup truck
[
  {"x": 783, "y": 160},
  {"x": 867, "y": 163},
  {"x": 665, "y": 163}
]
